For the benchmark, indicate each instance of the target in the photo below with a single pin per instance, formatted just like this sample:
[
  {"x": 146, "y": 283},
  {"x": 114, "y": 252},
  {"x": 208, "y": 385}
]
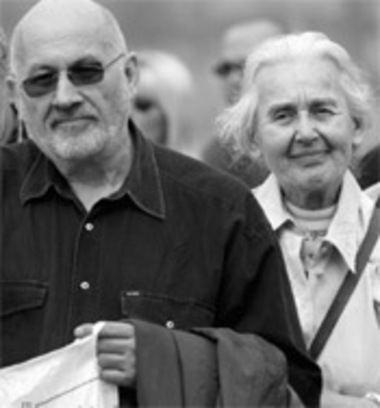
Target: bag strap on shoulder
[{"x": 347, "y": 286}]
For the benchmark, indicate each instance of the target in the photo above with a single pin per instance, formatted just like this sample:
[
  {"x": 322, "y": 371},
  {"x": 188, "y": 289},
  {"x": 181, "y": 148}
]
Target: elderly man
[
  {"x": 308, "y": 107},
  {"x": 237, "y": 43},
  {"x": 100, "y": 224}
]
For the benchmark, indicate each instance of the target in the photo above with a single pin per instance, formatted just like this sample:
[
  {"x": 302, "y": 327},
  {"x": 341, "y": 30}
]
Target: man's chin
[{"x": 75, "y": 148}]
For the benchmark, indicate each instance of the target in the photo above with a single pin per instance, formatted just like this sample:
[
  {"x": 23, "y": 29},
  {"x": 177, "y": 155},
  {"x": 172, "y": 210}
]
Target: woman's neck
[{"x": 311, "y": 220}]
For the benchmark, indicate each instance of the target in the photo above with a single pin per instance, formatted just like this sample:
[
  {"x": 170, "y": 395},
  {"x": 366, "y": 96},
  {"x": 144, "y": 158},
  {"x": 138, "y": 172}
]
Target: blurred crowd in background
[{"x": 187, "y": 36}]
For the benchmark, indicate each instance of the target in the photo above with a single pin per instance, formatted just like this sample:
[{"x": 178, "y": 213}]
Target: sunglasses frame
[{"x": 27, "y": 83}]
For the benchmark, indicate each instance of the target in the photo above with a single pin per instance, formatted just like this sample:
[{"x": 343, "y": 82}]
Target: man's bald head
[{"x": 52, "y": 17}]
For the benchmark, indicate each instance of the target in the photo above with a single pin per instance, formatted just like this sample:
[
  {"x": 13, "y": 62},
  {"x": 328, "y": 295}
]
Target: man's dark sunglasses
[
  {"x": 225, "y": 68},
  {"x": 81, "y": 73}
]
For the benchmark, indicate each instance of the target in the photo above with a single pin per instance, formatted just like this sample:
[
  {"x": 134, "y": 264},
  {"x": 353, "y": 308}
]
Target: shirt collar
[
  {"x": 350, "y": 221},
  {"x": 270, "y": 198},
  {"x": 143, "y": 184},
  {"x": 348, "y": 225}
]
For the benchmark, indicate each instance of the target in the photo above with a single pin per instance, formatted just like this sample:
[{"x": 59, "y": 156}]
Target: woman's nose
[{"x": 305, "y": 128}]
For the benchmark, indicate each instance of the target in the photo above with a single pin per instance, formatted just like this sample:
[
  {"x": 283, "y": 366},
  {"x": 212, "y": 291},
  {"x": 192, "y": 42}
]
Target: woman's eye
[
  {"x": 283, "y": 116},
  {"x": 323, "y": 112}
]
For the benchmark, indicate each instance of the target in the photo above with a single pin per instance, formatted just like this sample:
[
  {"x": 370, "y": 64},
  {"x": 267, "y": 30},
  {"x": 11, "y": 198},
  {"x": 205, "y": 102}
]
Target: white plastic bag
[{"x": 67, "y": 377}]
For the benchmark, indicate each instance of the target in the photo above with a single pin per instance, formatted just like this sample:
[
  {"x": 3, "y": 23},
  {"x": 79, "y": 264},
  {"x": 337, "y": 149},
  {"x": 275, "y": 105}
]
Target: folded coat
[{"x": 213, "y": 367}]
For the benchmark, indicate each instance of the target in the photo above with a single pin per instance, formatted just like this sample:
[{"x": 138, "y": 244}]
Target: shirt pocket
[
  {"x": 21, "y": 312},
  {"x": 166, "y": 310}
]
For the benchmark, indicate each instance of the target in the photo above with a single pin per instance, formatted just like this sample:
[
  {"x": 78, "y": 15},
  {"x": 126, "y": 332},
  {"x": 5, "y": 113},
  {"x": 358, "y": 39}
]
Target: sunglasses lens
[
  {"x": 86, "y": 74},
  {"x": 81, "y": 73},
  {"x": 40, "y": 85}
]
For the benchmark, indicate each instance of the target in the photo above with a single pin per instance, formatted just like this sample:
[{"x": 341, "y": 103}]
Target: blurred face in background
[
  {"x": 2, "y": 102},
  {"x": 3, "y": 94},
  {"x": 230, "y": 72},
  {"x": 305, "y": 129},
  {"x": 238, "y": 42},
  {"x": 150, "y": 117},
  {"x": 231, "y": 75}
]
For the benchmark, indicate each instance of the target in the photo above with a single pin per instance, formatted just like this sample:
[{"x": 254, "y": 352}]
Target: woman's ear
[{"x": 358, "y": 133}]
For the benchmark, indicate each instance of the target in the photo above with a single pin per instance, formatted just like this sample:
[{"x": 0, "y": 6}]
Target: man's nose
[{"x": 66, "y": 93}]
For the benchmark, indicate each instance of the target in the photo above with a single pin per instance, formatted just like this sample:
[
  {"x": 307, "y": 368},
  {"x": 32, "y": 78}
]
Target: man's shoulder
[
  {"x": 16, "y": 158},
  {"x": 192, "y": 174},
  {"x": 207, "y": 189}
]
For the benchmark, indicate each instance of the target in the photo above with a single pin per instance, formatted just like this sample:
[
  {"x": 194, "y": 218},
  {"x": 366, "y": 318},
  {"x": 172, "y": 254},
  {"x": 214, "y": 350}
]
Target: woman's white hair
[{"x": 237, "y": 124}]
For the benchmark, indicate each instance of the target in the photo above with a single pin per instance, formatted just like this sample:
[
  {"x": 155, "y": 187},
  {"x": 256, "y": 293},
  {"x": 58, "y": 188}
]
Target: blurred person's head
[
  {"x": 237, "y": 43},
  {"x": 3, "y": 74},
  {"x": 305, "y": 106},
  {"x": 163, "y": 102},
  {"x": 73, "y": 78}
]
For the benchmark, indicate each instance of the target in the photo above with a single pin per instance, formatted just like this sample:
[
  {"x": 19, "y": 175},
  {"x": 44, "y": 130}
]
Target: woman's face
[{"x": 305, "y": 130}]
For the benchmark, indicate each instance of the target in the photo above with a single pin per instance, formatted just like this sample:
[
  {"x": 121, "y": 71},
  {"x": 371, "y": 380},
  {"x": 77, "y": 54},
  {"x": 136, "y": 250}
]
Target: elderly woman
[{"x": 305, "y": 108}]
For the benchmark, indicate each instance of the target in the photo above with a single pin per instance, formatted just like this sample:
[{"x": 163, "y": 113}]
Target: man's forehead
[
  {"x": 51, "y": 19},
  {"x": 39, "y": 36},
  {"x": 47, "y": 20},
  {"x": 60, "y": 46},
  {"x": 45, "y": 9}
]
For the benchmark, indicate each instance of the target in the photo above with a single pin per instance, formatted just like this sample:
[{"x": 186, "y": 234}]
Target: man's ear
[
  {"x": 131, "y": 71},
  {"x": 13, "y": 92}
]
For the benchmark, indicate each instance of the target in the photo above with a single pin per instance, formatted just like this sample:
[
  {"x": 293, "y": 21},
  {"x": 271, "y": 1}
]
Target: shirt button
[
  {"x": 84, "y": 285},
  {"x": 89, "y": 226},
  {"x": 170, "y": 324}
]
